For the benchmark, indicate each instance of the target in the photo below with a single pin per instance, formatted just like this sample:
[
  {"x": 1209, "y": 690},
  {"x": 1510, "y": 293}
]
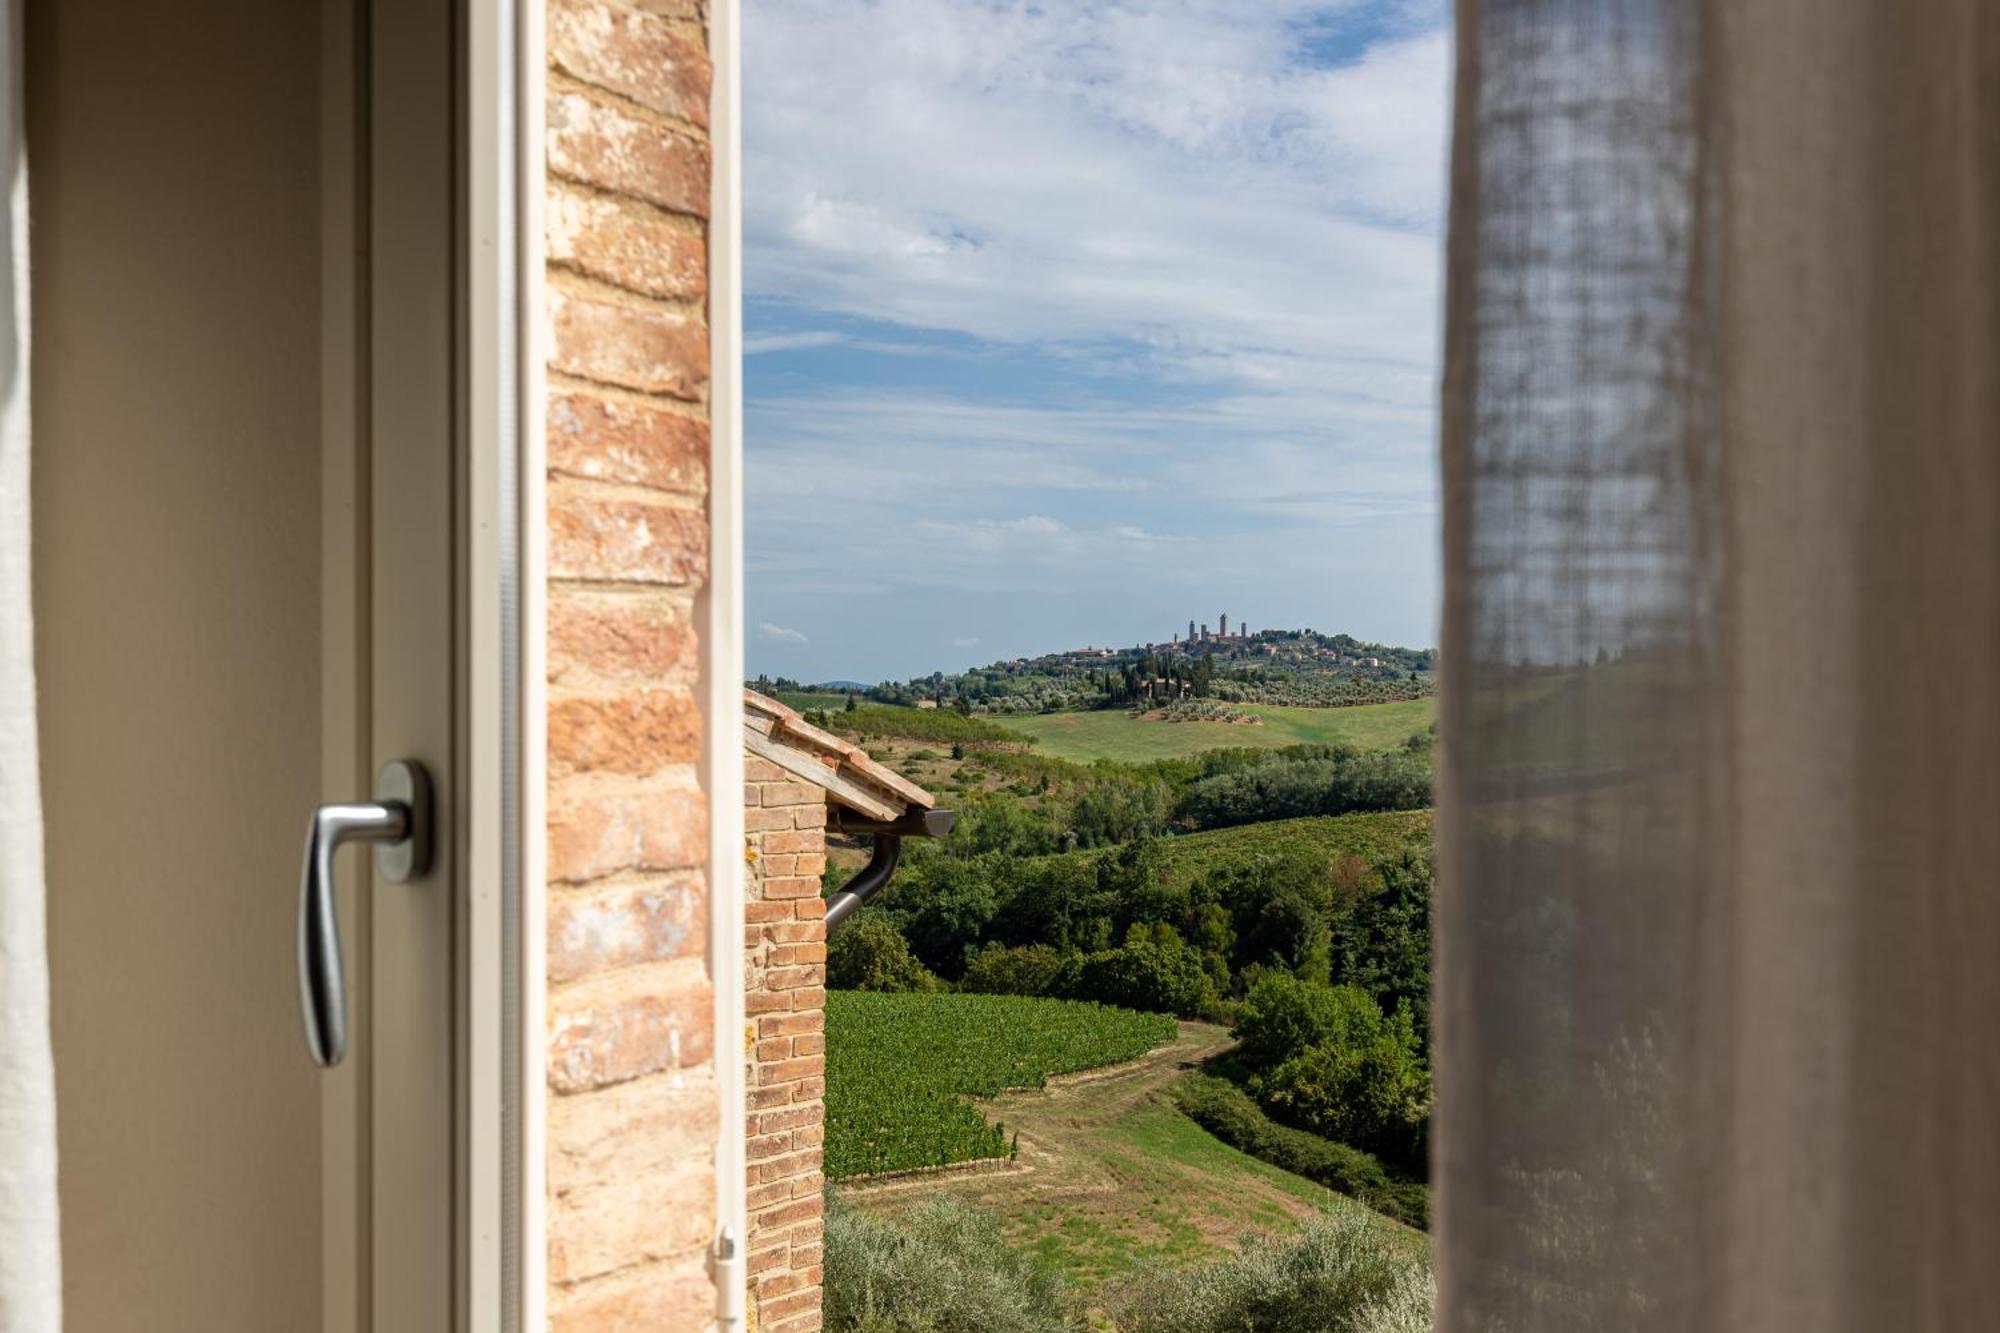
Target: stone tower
[
  {"x": 1223, "y": 631},
  {"x": 1190, "y": 631}
]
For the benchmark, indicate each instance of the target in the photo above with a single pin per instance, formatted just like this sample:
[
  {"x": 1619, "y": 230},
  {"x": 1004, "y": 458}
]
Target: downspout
[{"x": 888, "y": 835}]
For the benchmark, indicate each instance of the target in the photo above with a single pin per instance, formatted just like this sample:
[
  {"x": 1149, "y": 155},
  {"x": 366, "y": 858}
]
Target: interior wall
[{"x": 176, "y": 251}]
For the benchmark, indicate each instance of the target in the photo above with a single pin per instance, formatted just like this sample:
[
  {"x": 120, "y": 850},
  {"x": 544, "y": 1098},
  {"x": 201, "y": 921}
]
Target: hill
[{"x": 1116, "y": 734}]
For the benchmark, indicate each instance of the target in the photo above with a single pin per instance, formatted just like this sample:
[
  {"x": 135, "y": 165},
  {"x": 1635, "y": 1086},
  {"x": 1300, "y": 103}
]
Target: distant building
[{"x": 1223, "y": 629}]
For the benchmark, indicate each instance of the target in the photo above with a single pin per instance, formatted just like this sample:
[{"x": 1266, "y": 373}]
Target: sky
[{"x": 1069, "y": 321}]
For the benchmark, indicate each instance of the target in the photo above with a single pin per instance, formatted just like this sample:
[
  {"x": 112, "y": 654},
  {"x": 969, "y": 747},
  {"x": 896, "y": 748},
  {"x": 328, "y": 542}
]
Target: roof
[{"x": 777, "y": 733}]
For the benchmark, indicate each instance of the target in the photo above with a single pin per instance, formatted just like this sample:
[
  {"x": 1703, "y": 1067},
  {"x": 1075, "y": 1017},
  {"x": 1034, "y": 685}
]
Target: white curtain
[
  {"x": 1718, "y": 934},
  {"x": 30, "y": 1266}
]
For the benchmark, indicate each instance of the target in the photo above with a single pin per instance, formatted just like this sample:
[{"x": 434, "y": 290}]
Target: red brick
[
  {"x": 648, "y": 1023},
  {"x": 761, "y": 770},
  {"x": 814, "y": 865},
  {"x": 810, "y": 909},
  {"x": 794, "y": 840},
  {"x": 759, "y": 1098},
  {"x": 790, "y": 955},
  {"x": 812, "y": 1043},
  {"x": 809, "y": 1136},
  {"x": 763, "y": 1261},
  {"x": 763, "y": 820},
  {"x": 602, "y": 145},
  {"x": 604, "y": 540},
  {"x": 812, "y": 816},
  {"x": 793, "y": 793},
  {"x": 763, "y": 1196},
  {"x": 636, "y": 55},
  {"x": 797, "y": 1303},
  {"x": 809, "y": 1322},
  {"x": 631, "y": 345},
  {"x": 619, "y": 636},
  {"x": 665, "y": 1295},
  {"x": 792, "y": 978},
  {"x": 785, "y": 1071},
  {"x": 756, "y": 911},
  {"x": 778, "y": 1048},
  {"x": 797, "y": 1211},
  {"x": 617, "y": 440},
  {"x": 776, "y": 867},
  {"x": 779, "y": 1284},
  {"x": 598, "y": 828},
  {"x": 809, "y": 1089},
  {"x": 793, "y": 932},
  {"x": 789, "y": 887},
  {"x": 637, "y": 733},
  {"x": 791, "y": 1118},
  {"x": 762, "y": 1001},
  {"x": 633, "y": 923},
  {"x": 785, "y": 1025},
  {"x": 809, "y": 999},
  {"x": 767, "y": 1145}
]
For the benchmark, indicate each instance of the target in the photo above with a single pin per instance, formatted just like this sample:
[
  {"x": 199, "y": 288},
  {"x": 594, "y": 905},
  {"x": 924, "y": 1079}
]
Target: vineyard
[{"x": 900, "y": 1066}]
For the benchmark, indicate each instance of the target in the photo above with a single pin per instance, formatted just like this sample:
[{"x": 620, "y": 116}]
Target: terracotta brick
[
  {"x": 811, "y": 816},
  {"x": 651, "y": 921},
  {"x": 779, "y": 1284},
  {"x": 603, "y": 145},
  {"x": 637, "y": 55},
  {"x": 810, "y": 1136},
  {"x": 778, "y": 1048},
  {"x": 788, "y": 1166},
  {"x": 786, "y": 931},
  {"x": 631, "y": 345},
  {"x": 776, "y": 867},
  {"x": 768, "y": 1145},
  {"x": 763, "y": 1196},
  {"x": 762, "y": 820},
  {"x": 633, "y": 1218},
  {"x": 793, "y": 793},
  {"x": 638, "y": 732},
  {"x": 813, "y": 864},
  {"x": 663, "y": 1125},
  {"x": 624, "y": 540},
  {"x": 757, "y": 912},
  {"x": 789, "y": 1025},
  {"x": 619, "y": 636},
  {"x": 802, "y": 1302},
  {"x": 794, "y": 840},
  {"x": 792, "y": 888},
  {"x": 641, "y": 1023},
  {"x": 786, "y": 1071},
  {"x": 797, "y": 1211},
  {"x": 809, "y": 1322},
  {"x": 770, "y": 1122},
  {"x": 759, "y": 1098},
  {"x": 811, "y": 1043},
  {"x": 813, "y": 998},
  {"x": 791, "y": 955},
  {"x": 617, "y": 440},
  {"x": 792, "y": 978},
  {"x": 597, "y": 828},
  {"x": 761, "y": 770},
  {"x": 810, "y": 909},
  {"x": 763, "y": 1001},
  {"x": 673, "y": 1295}
]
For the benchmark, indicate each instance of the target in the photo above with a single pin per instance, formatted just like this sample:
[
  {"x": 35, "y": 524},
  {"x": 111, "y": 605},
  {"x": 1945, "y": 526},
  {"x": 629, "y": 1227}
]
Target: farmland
[
  {"x": 1115, "y": 734},
  {"x": 901, "y": 1066}
]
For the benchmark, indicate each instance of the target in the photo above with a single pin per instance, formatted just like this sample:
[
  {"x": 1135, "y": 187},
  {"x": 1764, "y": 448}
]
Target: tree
[{"x": 868, "y": 953}]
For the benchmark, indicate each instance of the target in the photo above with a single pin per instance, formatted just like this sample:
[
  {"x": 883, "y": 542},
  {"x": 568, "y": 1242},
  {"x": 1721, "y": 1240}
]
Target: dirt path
[{"x": 1110, "y": 1175}]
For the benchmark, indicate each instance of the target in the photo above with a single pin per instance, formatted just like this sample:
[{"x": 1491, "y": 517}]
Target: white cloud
[
  {"x": 779, "y": 634},
  {"x": 789, "y": 342},
  {"x": 1169, "y": 175}
]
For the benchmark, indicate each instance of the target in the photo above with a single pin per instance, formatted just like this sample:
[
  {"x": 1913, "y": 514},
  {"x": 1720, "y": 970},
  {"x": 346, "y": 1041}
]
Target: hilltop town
[{"x": 1227, "y": 663}]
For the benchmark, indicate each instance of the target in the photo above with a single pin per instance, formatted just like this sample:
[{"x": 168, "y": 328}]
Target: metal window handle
[{"x": 398, "y": 822}]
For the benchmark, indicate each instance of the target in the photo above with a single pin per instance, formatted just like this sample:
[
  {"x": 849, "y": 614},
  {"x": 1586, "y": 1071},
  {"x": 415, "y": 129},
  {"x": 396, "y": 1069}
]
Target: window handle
[{"x": 398, "y": 822}]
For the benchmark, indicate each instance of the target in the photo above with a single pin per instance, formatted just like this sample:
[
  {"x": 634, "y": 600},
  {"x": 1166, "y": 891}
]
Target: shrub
[
  {"x": 1033, "y": 969},
  {"x": 1339, "y": 1275},
  {"x": 1226, "y": 1111},
  {"x": 942, "y": 1268},
  {"x": 1374, "y": 1094},
  {"x": 1153, "y": 977},
  {"x": 868, "y": 953},
  {"x": 1283, "y": 1016}
]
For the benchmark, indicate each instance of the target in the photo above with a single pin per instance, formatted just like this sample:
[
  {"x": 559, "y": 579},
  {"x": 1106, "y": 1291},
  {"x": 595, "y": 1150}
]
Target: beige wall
[
  {"x": 633, "y": 1113},
  {"x": 176, "y": 244}
]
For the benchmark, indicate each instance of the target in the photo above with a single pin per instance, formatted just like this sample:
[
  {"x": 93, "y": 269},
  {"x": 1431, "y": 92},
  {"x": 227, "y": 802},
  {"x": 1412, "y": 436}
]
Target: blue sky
[{"x": 1069, "y": 321}]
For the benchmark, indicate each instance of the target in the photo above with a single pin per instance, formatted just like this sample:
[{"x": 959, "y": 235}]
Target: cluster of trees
[
  {"x": 1311, "y": 780},
  {"x": 1122, "y": 928}
]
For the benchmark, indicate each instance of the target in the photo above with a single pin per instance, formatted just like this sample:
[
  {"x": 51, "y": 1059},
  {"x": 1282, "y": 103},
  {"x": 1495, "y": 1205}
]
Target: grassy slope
[
  {"x": 1111, "y": 1176},
  {"x": 1113, "y": 734},
  {"x": 1370, "y": 836}
]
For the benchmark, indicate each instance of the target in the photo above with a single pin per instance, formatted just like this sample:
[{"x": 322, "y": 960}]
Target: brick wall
[
  {"x": 633, "y": 1114},
  {"x": 785, "y": 1001}
]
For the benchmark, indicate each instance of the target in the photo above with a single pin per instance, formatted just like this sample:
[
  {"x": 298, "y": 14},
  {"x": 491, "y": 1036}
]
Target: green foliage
[
  {"x": 1114, "y": 734},
  {"x": 1028, "y": 969},
  {"x": 869, "y": 953},
  {"x": 899, "y": 1067},
  {"x": 1284, "y": 1016},
  {"x": 1281, "y": 905},
  {"x": 1158, "y": 975},
  {"x": 1334, "y": 780},
  {"x": 941, "y": 1268},
  {"x": 1362, "y": 1083},
  {"x": 869, "y": 722},
  {"x": 1120, "y": 807},
  {"x": 1339, "y": 1274},
  {"x": 1226, "y": 1111},
  {"x": 1384, "y": 943}
]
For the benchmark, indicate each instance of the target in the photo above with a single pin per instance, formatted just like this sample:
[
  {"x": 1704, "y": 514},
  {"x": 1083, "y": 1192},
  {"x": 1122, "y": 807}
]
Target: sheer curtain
[
  {"x": 1719, "y": 927},
  {"x": 30, "y": 1274}
]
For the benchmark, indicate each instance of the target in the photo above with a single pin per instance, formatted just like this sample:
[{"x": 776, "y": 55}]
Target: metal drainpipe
[{"x": 881, "y": 865}]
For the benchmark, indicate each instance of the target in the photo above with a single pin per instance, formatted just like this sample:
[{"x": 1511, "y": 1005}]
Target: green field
[
  {"x": 1113, "y": 734},
  {"x": 1372, "y": 837},
  {"x": 900, "y": 1067}
]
